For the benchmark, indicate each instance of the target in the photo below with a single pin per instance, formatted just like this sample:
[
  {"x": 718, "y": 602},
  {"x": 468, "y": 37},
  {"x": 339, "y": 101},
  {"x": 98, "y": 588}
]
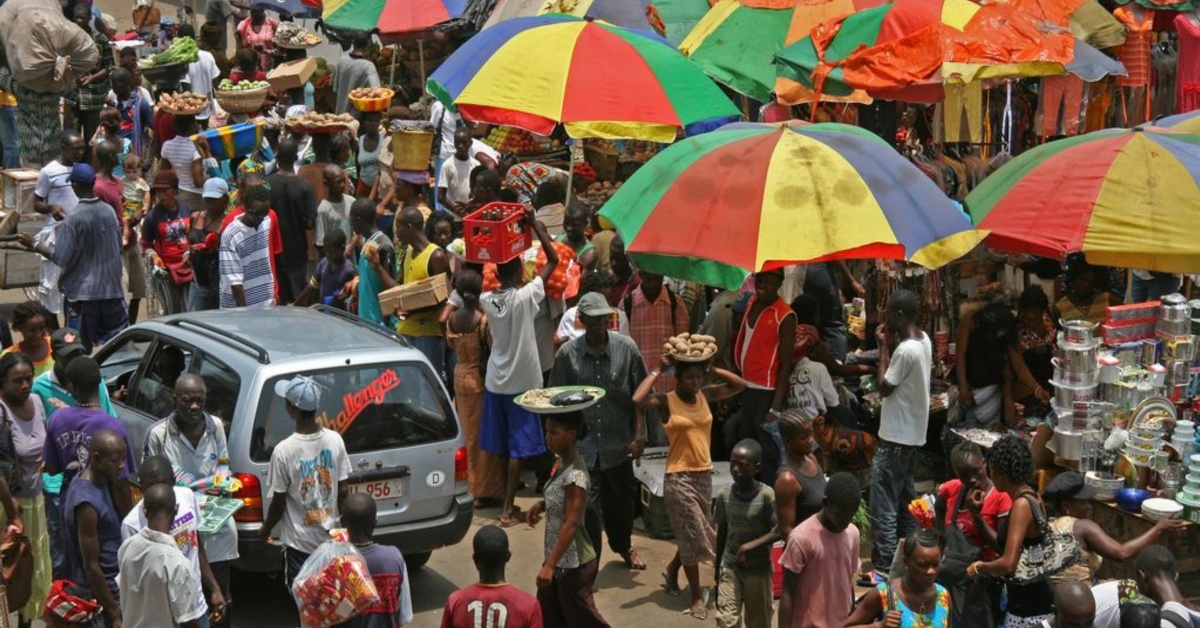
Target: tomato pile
[{"x": 556, "y": 285}]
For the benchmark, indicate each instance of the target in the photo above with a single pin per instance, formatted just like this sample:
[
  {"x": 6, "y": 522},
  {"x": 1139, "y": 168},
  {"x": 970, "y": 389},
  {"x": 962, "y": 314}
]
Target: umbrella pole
[
  {"x": 570, "y": 171},
  {"x": 421, "y": 53},
  {"x": 392, "y": 73}
]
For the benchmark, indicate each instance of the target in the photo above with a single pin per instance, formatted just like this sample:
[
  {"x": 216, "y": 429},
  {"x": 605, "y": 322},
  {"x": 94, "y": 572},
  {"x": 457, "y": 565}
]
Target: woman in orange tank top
[{"x": 687, "y": 485}]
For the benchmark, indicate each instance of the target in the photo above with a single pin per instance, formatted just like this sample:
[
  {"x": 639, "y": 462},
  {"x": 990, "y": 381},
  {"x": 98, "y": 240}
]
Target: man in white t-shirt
[
  {"x": 905, "y": 363},
  {"x": 510, "y": 431},
  {"x": 812, "y": 391},
  {"x": 185, "y": 528},
  {"x": 201, "y": 74},
  {"x": 55, "y": 198},
  {"x": 307, "y": 478},
  {"x": 454, "y": 179}
]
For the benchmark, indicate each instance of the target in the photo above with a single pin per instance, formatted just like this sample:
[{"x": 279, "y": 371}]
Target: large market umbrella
[
  {"x": 1181, "y": 123},
  {"x": 736, "y": 41},
  {"x": 676, "y": 18},
  {"x": 1122, "y": 197},
  {"x": 717, "y": 206},
  {"x": 596, "y": 79},
  {"x": 294, "y": 8},
  {"x": 623, "y": 13},
  {"x": 908, "y": 49},
  {"x": 805, "y": 17},
  {"x": 391, "y": 17}
]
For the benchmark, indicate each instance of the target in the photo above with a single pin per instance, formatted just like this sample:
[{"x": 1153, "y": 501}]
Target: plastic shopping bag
[{"x": 334, "y": 584}]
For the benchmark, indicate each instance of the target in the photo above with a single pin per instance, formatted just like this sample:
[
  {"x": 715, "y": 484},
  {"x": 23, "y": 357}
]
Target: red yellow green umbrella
[
  {"x": 391, "y": 17},
  {"x": 1181, "y": 123},
  {"x": 714, "y": 207},
  {"x": 1122, "y": 197},
  {"x": 907, "y": 50},
  {"x": 596, "y": 79}
]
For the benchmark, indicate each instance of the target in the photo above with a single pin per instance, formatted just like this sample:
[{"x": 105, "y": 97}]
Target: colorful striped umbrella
[
  {"x": 736, "y": 41},
  {"x": 717, "y": 206},
  {"x": 596, "y": 79},
  {"x": 907, "y": 50},
  {"x": 623, "y": 13},
  {"x": 674, "y": 19},
  {"x": 805, "y": 17},
  {"x": 391, "y": 17},
  {"x": 1181, "y": 123},
  {"x": 1122, "y": 197}
]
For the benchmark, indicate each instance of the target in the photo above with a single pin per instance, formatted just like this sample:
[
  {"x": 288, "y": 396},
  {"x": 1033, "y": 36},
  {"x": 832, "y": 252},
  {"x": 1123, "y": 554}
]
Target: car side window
[
  {"x": 223, "y": 386},
  {"x": 120, "y": 362},
  {"x": 154, "y": 393}
]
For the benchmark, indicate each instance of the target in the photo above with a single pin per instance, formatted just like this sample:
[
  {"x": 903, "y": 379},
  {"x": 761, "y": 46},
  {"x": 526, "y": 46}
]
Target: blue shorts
[{"x": 508, "y": 429}]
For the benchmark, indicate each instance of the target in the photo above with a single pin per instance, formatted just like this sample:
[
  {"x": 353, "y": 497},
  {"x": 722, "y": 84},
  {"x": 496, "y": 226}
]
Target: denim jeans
[
  {"x": 891, "y": 491},
  {"x": 201, "y": 298},
  {"x": 8, "y": 137},
  {"x": 434, "y": 348},
  {"x": 58, "y": 553},
  {"x": 1153, "y": 289}
]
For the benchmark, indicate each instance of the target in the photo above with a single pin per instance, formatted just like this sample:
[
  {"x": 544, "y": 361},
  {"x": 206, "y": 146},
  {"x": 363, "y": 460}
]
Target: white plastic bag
[{"x": 333, "y": 585}]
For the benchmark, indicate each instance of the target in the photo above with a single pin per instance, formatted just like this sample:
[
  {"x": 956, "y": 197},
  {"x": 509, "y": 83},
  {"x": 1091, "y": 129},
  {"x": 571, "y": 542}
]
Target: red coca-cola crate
[{"x": 496, "y": 233}]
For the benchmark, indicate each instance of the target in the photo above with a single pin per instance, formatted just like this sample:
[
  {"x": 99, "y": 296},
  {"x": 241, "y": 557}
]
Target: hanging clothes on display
[
  {"x": 1135, "y": 56},
  {"x": 1188, "y": 75},
  {"x": 1061, "y": 94},
  {"x": 1165, "y": 59},
  {"x": 963, "y": 99}
]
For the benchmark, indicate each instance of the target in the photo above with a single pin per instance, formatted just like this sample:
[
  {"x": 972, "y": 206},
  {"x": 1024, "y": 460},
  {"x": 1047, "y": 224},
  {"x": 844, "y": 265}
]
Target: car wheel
[{"x": 416, "y": 561}]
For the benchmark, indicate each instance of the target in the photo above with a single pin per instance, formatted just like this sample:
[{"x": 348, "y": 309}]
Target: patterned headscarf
[{"x": 807, "y": 337}]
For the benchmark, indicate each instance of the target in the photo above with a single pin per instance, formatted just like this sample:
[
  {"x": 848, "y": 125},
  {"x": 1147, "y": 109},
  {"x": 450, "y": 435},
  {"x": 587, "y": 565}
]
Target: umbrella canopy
[
  {"x": 717, "y": 206},
  {"x": 676, "y": 18},
  {"x": 907, "y": 49},
  {"x": 294, "y": 8},
  {"x": 391, "y": 17},
  {"x": 597, "y": 79},
  {"x": 1122, "y": 197},
  {"x": 1182, "y": 123},
  {"x": 623, "y": 13},
  {"x": 736, "y": 42},
  {"x": 805, "y": 17}
]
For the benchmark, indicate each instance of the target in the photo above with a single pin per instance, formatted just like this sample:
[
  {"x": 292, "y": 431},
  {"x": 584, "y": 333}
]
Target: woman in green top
[
  {"x": 30, "y": 319},
  {"x": 569, "y": 570}
]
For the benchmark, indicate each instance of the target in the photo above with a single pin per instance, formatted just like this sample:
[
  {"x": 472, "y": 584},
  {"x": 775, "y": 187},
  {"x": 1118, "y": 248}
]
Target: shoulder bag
[{"x": 1052, "y": 553}]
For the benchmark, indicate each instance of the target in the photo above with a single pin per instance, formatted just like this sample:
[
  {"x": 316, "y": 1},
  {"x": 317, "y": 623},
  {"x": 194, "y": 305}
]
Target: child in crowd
[
  {"x": 745, "y": 518},
  {"x": 135, "y": 197},
  {"x": 820, "y": 560},
  {"x": 388, "y": 570},
  {"x": 467, "y": 606},
  {"x": 332, "y": 274}
]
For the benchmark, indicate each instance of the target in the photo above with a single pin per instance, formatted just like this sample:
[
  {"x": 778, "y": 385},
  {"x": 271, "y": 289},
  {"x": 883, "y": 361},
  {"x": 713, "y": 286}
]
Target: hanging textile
[
  {"x": 962, "y": 98},
  {"x": 1061, "y": 94},
  {"x": 1188, "y": 76},
  {"x": 1135, "y": 52}
]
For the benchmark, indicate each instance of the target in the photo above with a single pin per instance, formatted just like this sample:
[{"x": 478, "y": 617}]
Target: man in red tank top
[
  {"x": 491, "y": 602},
  {"x": 762, "y": 352}
]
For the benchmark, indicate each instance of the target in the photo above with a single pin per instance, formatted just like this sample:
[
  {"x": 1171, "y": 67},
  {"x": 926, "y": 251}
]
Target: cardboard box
[
  {"x": 292, "y": 74},
  {"x": 18, "y": 185},
  {"x": 415, "y": 296}
]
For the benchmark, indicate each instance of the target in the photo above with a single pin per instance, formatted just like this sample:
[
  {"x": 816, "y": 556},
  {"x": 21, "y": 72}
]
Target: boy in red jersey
[{"x": 491, "y": 602}]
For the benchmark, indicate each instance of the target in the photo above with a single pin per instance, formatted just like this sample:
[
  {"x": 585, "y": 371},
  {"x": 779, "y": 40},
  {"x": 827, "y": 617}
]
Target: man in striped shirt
[{"x": 245, "y": 256}]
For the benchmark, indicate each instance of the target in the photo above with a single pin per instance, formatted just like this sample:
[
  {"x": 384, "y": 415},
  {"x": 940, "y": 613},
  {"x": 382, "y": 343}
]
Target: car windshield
[{"x": 372, "y": 407}]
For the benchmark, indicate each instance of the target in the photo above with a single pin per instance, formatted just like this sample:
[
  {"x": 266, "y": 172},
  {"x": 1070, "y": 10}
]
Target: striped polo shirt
[{"x": 245, "y": 260}]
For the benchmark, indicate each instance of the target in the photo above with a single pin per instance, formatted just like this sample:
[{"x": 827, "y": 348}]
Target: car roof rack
[
  {"x": 361, "y": 322},
  {"x": 246, "y": 346}
]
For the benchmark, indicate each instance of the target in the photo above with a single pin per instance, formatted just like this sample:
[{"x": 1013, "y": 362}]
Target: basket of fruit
[
  {"x": 243, "y": 96},
  {"x": 170, "y": 65},
  {"x": 185, "y": 104},
  {"x": 313, "y": 123},
  {"x": 371, "y": 98},
  {"x": 292, "y": 35}
]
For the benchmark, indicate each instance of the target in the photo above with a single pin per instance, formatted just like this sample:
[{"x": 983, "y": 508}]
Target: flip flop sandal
[
  {"x": 633, "y": 560},
  {"x": 699, "y": 611}
]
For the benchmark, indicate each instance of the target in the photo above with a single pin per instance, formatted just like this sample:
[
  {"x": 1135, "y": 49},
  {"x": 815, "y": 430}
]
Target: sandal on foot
[
  {"x": 871, "y": 579},
  {"x": 509, "y": 520},
  {"x": 672, "y": 588},
  {"x": 698, "y": 610},
  {"x": 633, "y": 560}
]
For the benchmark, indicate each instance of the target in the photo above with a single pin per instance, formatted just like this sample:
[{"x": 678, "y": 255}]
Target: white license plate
[{"x": 380, "y": 489}]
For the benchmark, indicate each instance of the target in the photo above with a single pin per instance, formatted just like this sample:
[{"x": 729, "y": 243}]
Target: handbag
[
  {"x": 16, "y": 556},
  {"x": 1052, "y": 553},
  {"x": 959, "y": 552}
]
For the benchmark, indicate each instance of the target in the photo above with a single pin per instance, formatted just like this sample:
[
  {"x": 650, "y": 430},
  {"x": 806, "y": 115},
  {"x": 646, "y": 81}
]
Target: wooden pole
[
  {"x": 421, "y": 52},
  {"x": 392, "y": 75}
]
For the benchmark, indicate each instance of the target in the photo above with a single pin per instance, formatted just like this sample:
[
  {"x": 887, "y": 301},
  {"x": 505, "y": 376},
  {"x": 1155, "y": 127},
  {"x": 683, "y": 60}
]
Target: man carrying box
[{"x": 421, "y": 259}]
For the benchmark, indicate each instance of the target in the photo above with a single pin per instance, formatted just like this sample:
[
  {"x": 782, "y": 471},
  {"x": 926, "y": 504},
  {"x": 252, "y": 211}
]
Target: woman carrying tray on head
[{"x": 687, "y": 486}]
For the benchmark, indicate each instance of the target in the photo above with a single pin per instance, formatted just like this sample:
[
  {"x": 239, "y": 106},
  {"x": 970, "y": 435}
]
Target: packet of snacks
[{"x": 334, "y": 584}]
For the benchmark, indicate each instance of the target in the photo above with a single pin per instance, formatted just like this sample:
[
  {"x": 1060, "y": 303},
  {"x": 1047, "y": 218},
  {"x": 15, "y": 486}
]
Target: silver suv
[{"x": 380, "y": 394}]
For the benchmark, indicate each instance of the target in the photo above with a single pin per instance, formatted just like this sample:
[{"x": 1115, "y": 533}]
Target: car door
[{"x": 148, "y": 389}]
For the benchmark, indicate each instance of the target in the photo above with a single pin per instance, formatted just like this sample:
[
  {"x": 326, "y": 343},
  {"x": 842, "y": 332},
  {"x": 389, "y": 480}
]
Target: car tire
[{"x": 416, "y": 561}]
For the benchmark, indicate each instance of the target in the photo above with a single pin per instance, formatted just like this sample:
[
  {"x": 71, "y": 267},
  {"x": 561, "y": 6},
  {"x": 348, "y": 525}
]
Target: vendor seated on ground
[
  {"x": 1071, "y": 499},
  {"x": 988, "y": 352},
  {"x": 1086, "y": 295}
]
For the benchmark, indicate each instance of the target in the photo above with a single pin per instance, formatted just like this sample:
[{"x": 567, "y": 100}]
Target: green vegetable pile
[
  {"x": 181, "y": 50},
  {"x": 241, "y": 86}
]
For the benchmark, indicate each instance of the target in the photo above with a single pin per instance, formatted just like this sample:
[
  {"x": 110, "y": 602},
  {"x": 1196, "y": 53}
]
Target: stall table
[{"x": 1123, "y": 526}]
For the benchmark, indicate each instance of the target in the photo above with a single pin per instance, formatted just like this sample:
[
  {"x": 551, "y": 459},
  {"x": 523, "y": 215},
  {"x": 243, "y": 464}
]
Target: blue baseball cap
[
  {"x": 215, "y": 187},
  {"x": 83, "y": 174},
  {"x": 300, "y": 391}
]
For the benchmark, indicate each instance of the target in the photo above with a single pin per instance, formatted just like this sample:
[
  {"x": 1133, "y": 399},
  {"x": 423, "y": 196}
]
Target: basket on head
[
  {"x": 374, "y": 104},
  {"x": 411, "y": 149},
  {"x": 247, "y": 101}
]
